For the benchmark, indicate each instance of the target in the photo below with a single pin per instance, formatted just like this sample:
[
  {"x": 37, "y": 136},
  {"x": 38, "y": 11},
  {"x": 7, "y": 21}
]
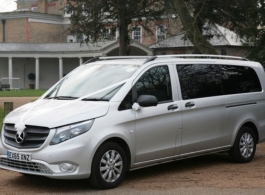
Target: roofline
[{"x": 30, "y": 14}]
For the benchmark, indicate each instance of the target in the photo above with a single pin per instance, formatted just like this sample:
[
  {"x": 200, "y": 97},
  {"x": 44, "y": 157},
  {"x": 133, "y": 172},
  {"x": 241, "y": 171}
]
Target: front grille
[
  {"x": 35, "y": 136},
  {"x": 25, "y": 166}
]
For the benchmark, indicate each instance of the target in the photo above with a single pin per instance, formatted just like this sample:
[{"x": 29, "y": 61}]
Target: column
[
  {"x": 60, "y": 68},
  {"x": 37, "y": 73},
  {"x": 10, "y": 72},
  {"x": 80, "y": 61}
]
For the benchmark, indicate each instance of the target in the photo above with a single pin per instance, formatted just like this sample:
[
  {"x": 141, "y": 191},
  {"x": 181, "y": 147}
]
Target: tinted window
[
  {"x": 239, "y": 79},
  {"x": 127, "y": 102},
  {"x": 199, "y": 80},
  {"x": 156, "y": 82}
]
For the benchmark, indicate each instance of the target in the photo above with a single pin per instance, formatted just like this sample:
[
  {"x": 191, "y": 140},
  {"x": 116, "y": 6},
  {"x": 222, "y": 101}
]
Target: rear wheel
[
  {"x": 244, "y": 147},
  {"x": 109, "y": 166}
]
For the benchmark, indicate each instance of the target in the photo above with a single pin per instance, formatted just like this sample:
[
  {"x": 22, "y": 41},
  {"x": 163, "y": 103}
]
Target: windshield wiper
[
  {"x": 62, "y": 98},
  {"x": 94, "y": 99}
]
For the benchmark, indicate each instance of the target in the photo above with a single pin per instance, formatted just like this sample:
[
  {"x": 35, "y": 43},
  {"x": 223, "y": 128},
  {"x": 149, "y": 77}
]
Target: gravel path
[
  {"x": 17, "y": 101},
  {"x": 212, "y": 174}
]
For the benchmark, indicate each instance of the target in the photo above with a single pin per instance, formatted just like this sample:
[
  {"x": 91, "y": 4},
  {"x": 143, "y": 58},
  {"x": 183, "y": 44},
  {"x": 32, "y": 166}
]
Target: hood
[{"x": 55, "y": 113}]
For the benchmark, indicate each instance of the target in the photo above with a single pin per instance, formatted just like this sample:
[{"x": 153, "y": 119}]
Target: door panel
[
  {"x": 203, "y": 124},
  {"x": 203, "y": 107},
  {"x": 157, "y": 127},
  {"x": 156, "y": 132}
]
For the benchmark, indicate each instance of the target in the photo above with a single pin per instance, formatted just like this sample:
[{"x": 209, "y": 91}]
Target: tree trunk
[
  {"x": 193, "y": 32},
  {"x": 123, "y": 30}
]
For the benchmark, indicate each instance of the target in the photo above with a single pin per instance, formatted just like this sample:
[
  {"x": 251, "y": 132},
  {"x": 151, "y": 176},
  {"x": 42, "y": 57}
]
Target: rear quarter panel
[{"x": 243, "y": 108}]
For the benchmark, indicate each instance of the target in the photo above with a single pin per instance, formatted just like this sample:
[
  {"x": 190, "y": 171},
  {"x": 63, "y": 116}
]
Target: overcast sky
[{"x": 7, "y": 5}]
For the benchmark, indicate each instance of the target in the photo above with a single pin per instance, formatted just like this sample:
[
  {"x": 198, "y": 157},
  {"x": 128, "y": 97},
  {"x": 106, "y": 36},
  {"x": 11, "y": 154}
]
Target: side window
[
  {"x": 127, "y": 102},
  {"x": 156, "y": 82},
  {"x": 199, "y": 80},
  {"x": 239, "y": 79}
]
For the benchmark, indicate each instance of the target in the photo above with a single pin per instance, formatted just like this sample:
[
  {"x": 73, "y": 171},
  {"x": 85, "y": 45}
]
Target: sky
[{"x": 7, "y": 5}]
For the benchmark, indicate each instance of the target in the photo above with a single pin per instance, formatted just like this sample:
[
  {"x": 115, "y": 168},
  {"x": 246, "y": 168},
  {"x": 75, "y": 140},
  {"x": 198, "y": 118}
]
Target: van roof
[{"x": 140, "y": 60}]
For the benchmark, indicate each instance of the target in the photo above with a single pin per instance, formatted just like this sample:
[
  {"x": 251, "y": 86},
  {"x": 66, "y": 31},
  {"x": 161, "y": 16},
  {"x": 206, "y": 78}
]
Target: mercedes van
[{"x": 116, "y": 114}]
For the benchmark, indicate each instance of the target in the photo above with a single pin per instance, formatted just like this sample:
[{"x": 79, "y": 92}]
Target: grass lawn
[{"x": 23, "y": 93}]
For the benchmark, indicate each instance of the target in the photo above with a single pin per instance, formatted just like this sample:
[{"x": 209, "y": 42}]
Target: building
[
  {"x": 35, "y": 39},
  {"x": 224, "y": 40}
]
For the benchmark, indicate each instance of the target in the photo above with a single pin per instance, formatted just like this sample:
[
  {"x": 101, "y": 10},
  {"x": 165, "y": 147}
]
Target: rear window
[
  {"x": 206, "y": 80},
  {"x": 239, "y": 79}
]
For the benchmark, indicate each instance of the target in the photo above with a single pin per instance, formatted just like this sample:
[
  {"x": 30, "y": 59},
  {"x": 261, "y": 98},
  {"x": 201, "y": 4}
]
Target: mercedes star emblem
[{"x": 20, "y": 137}]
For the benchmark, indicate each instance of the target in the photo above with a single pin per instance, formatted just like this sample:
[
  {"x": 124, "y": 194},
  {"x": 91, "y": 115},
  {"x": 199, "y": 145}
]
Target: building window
[
  {"x": 223, "y": 52},
  {"x": 105, "y": 33},
  {"x": 34, "y": 9},
  {"x": 86, "y": 9},
  {"x": 137, "y": 34},
  {"x": 71, "y": 39},
  {"x": 160, "y": 33},
  {"x": 76, "y": 38},
  {"x": 67, "y": 10},
  {"x": 80, "y": 37}
]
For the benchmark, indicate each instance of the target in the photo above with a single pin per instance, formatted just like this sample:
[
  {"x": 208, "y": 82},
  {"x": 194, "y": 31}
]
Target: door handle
[
  {"x": 189, "y": 104},
  {"x": 172, "y": 107}
]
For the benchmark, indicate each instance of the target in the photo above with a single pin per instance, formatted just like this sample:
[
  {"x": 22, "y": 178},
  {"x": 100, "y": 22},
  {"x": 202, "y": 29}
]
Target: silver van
[{"x": 116, "y": 114}]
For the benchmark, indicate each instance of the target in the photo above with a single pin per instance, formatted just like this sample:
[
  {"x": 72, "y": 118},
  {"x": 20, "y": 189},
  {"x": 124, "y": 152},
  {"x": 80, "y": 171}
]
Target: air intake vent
[{"x": 25, "y": 166}]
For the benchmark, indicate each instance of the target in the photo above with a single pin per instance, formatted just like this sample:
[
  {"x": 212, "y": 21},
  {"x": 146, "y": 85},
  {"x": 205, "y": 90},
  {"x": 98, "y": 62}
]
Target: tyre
[
  {"x": 244, "y": 147},
  {"x": 109, "y": 166}
]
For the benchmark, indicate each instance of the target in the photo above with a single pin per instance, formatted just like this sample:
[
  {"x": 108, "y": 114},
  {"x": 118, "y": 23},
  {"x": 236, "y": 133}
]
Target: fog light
[{"x": 66, "y": 167}]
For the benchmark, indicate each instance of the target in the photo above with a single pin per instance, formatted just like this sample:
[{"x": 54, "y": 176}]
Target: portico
[{"x": 50, "y": 62}]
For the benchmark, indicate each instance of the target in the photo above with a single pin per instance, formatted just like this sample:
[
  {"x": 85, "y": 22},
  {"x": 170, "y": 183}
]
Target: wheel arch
[
  {"x": 247, "y": 123},
  {"x": 123, "y": 144},
  {"x": 254, "y": 128}
]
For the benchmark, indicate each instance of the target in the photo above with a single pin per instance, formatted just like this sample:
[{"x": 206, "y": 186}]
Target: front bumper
[{"x": 47, "y": 160}]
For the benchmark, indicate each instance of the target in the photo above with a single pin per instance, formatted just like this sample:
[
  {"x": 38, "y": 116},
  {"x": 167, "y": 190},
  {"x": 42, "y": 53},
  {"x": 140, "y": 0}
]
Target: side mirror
[{"x": 147, "y": 100}]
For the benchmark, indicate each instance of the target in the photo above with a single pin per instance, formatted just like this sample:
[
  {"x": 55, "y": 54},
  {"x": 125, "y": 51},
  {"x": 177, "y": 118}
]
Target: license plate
[{"x": 18, "y": 156}]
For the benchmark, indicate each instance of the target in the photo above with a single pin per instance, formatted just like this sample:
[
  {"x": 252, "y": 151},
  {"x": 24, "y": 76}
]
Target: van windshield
[{"x": 93, "y": 79}]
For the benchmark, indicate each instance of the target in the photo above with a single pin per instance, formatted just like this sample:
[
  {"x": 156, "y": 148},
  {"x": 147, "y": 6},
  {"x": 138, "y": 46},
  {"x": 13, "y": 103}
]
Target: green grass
[
  {"x": 1, "y": 117},
  {"x": 23, "y": 93}
]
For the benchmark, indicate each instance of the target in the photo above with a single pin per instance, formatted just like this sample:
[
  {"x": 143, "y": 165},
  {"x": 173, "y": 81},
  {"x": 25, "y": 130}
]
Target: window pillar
[
  {"x": 60, "y": 68},
  {"x": 10, "y": 72},
  {"x": 37, "y": 73},
  {"x": 80, "y": 61}
]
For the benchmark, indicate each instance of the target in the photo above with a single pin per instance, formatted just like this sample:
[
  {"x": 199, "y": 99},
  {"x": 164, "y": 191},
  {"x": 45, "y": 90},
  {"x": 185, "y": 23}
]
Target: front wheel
[
  {"x": 109, "y": 166},
  {"x": 244, "y": 147}
]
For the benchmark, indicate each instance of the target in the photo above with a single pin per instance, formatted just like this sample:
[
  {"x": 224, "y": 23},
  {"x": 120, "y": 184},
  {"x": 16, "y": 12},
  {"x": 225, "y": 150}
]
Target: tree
[
  {"x": 192, "y": 29},
  {"x": 91, "y": 17},
  {"x": 197, "y": 16},
  {"x": 257, "y": 35}
]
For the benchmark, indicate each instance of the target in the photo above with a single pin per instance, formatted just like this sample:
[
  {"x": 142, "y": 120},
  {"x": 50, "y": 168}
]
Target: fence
[{"x": 10, "y": 83}]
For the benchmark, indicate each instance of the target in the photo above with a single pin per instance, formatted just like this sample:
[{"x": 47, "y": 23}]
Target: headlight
[{"x": 70, "y": 131}]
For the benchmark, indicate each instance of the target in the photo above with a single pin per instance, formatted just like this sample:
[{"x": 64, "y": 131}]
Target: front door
[{"x": 158, "y": 127}]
